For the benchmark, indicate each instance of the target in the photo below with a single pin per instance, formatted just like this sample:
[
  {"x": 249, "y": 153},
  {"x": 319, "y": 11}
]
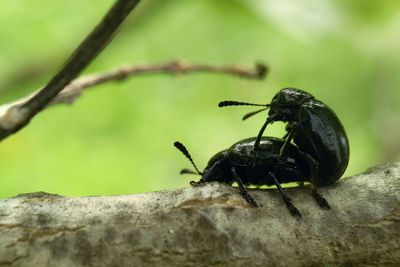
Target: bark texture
[{"x": 208, "y": 225}]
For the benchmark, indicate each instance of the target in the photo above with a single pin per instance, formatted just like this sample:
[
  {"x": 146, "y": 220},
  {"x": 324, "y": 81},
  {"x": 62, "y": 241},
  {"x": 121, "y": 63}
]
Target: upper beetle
[
  {"x": 236, "y": 165},
  {"x": 314, "y": 127}
]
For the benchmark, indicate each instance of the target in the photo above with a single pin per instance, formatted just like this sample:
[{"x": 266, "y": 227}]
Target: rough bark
[{"x": 208, "y": 225}]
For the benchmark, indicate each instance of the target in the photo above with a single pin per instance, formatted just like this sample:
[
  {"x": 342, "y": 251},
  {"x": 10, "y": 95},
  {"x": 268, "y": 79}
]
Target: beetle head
[
  {"x": 283, "y": 107},
  {"x": 215, "y": 170},
  {"x": 218, "y": 169},
  {"x": 286, "y": 103}
]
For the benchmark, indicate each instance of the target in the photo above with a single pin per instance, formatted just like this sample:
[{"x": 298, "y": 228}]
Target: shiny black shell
[
  {"x": 295, "y": 168},
  {"x": 319, "y": 134},
  {"x": 322, "y": 136}
]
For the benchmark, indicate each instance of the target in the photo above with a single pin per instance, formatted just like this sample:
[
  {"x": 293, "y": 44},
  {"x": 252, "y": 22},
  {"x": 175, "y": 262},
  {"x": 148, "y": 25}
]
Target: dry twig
[
  {"x": 16, "y": 117},
  {"x": 62, "y": 88},
  {"x": 75, "y": 88}
]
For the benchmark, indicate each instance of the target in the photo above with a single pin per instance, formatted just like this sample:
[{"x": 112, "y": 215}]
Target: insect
[
  {"x": 236, "y": 164},
  {"x": 314, "y": 128}
]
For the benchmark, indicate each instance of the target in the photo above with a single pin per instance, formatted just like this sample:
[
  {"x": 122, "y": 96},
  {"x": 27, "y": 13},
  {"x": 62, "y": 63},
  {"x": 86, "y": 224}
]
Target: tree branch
[
  {"x": 208, "y": 225},
  {"x": 62, "y": 88},
  {"x": 82, "y": 56},
  {"x": 75, "y": 88},
  {"x": 10, "y": 113}
]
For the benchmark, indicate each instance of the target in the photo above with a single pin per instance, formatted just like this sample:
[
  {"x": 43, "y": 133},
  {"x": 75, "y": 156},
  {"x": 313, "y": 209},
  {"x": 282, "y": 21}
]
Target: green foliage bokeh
[{"x": 117, "y": 137}]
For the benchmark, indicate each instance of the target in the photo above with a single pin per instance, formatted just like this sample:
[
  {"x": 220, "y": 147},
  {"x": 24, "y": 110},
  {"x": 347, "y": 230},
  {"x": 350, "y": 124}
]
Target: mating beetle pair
[{"x": 320, "y": 156}]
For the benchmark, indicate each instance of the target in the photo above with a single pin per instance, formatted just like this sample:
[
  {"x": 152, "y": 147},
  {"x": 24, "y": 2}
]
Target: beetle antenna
[
  {"x": 236, "y": 103},
  {"x": 183, "y": 149},
  {"x": 248, "y": 115},
  {"x": 187, "y": 171}
]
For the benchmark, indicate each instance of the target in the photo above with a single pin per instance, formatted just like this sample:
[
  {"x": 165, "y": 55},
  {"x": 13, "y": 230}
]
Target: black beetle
[
  {"x": 236, "y": 165},
  {"x": 314, "y": 127}
]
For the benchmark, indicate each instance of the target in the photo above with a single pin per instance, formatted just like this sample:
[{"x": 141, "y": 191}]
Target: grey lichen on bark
[{"x": 208, "y": 225}]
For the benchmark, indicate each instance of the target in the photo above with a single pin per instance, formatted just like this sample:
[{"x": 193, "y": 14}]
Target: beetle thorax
[{"x": 286, "y": 103}]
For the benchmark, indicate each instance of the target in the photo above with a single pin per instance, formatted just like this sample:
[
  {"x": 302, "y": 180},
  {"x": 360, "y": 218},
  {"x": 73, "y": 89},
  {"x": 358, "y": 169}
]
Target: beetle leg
[
  {"x": 293, "y": 210},
  {"x": 322, "y": 202},
  {"x": 288, "y": 138},
  {"x": 206, "y": 175},
  {"x": 194, "y": 183},
  {"x": 243, "y": 190},
  {"x": 260, "y": 133},
  {"x": 258, "y": 141}
]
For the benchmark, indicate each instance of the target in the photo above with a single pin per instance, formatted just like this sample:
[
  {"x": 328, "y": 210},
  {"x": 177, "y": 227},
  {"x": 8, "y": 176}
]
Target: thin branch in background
[
  {"x": 75, "y": 88},
  {"x": 84, "y": 54},
  {"x": 18, "y": 116},
  {"x": 62, "y": 88},
  {"x": 10, "y": 114}
]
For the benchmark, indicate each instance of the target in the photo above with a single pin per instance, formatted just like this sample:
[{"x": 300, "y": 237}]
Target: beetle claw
[
  {"x": 322, "y": 202},
  {"x": 250, "y": 200},
  {"x": 293, "y": 210}
]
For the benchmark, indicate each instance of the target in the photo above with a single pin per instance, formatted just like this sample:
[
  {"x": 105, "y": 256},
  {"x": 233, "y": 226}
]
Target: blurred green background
[{"x": 117, "y": 138}]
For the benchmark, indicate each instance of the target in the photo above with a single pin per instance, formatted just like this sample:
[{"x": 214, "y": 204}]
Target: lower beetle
[{"x": 237, "y": 164}]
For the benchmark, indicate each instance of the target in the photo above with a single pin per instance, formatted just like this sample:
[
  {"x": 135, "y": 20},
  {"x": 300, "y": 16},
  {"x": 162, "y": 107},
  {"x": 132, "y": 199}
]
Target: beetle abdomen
[{"x": 322, "y": 136}]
